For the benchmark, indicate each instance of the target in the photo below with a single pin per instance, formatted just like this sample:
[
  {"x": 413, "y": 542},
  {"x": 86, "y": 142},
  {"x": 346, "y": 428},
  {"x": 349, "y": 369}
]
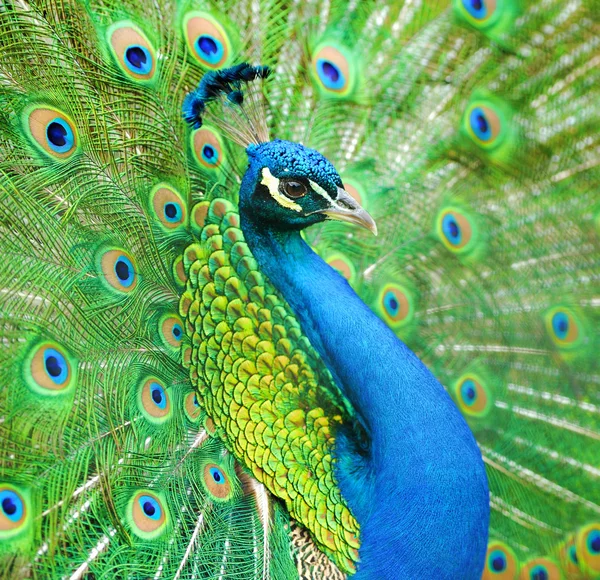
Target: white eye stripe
[
  {"x": 318, "y": 189},
  {"x": 272, "y": 184}
]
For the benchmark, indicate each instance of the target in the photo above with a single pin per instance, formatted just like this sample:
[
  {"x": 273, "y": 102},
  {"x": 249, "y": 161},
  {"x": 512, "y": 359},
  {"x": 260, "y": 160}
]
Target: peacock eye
[{"x": 294, "y": 189}]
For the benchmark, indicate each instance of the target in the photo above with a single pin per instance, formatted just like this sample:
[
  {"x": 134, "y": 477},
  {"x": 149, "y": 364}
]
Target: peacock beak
[{"x": 346, "y": 209}]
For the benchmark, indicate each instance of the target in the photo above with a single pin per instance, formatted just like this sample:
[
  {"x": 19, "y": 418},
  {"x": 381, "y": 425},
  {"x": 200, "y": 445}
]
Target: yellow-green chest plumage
[{"x": 265, "y": 388}]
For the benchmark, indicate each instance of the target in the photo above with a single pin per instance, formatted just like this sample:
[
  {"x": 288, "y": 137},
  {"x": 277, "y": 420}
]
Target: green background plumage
[{"x": 80, "y": 447}]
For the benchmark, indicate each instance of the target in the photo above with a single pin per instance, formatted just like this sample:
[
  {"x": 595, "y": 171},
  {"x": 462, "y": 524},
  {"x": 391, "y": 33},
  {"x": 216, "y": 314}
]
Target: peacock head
[{"x": 288, "y": 187}]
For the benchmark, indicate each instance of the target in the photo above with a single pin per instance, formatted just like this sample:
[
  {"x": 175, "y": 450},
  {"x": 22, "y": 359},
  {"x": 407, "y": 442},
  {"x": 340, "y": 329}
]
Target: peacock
[{"x": 299, "y": 289}]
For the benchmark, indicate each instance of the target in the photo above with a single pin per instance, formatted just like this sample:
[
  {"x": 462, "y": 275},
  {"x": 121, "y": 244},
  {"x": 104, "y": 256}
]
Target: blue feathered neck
[{"x": 420, "y": 491}]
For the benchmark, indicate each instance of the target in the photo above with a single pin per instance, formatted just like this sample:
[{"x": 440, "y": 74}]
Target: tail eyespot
[
  {"x": 14, "y": 511},
  {"x": 333, "y": 71},
  {"x": 396, "y": 305},
  {"x": 500, "y": 562},
  {"x": 216, "y": 482},
  {"x": 171, "y": 331},
  {"x": 154, "y": 401},
  {"x": 52, "y": 131},
  {"x": 50, "y": 370},
  {"x": 207, "y": 148},
  {"x": 587, "y": 542},
  {"x": 479, "y": 12},
  {"x": 132, "y": 50},
  {"x": 473, "y": 396},
  {"x": 487, "y": 123},
  {"x": 192, "y": 407},
  {"x": 148, "y": 514},
  {"x": 207, "y": 40},
  {"x": 168, "y": 206},
  {"x": 540, "y": 569},
  {"x": 455, "y": 230},
  {"x": 564, "y": 328},
  {"x": 118, "y": 269}
]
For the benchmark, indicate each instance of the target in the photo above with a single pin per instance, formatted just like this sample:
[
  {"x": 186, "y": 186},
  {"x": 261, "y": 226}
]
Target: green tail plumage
[{"x": 162, "y": 413}]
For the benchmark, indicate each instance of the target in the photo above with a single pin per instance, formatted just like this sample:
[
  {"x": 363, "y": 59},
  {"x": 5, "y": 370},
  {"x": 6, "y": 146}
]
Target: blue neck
[{"x": 420, "y": 495}]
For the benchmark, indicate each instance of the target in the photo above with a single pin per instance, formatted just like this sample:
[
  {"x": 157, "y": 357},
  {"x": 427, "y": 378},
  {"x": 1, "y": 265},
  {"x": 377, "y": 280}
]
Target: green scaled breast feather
[{"x": 269, "y": 396}]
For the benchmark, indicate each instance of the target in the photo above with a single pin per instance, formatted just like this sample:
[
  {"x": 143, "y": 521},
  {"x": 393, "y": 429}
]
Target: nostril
[{"x": 343, "y": 203}]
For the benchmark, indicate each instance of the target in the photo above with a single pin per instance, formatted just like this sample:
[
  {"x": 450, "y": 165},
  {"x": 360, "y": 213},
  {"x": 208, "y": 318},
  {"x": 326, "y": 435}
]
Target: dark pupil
[
  {"x": 149, "y": 509},
  {"x": 453, "y": 229},
  {"x": 498, "y": 564},
  {"x": 482, "y": 123},
  {"x": 136, "y": 56},
  {"x": 195, "y": 400},
  {"x": 295, "y": 189},
  {"x": 216, "y": 476},
  {"x": 56, "y": 134},
  {"x": 176, "y": 332},
  {"x": 477, "y": 4},
  {"x": 207, "y": 45},
  {"x": 540, "y": 575},
  {"x": 562, "y": 325},
  {"x": 52, "y": 366},
  {"x": 8, "y": 505},
  {"x": 471, "y": 396},
  {"x": 208, "y": 151},
  {"x": 574, "y": 555},
  {"x": 393, "y": 303},
  {"x": 157, "y": 396},
  {"x": 122, "y": 270},
  {"x": 596, "y": 544},
  {"x": 331, "y": 71},
  {"x": 170, "y": 210}
]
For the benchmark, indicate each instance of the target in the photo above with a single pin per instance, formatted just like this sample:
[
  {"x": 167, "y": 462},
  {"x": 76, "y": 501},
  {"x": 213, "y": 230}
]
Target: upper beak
[{"x": 346, "y": 209}]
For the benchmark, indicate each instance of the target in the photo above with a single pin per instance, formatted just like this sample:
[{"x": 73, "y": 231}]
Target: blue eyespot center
[
  {"x": 217, "y": 475},
  {"x": 59, "y": 135},
  {"x": 9, "y": 507},
  {"x": 209, "y": 151},
  {"x": 593, "y": 541},
  {"x": 451, "y": 229},
  {"x": 158, "y": 395},
  {"x": 150, "y": 507},
  {"x": 172, "y": 211},
  {"x": 331, "y": 71},
  {"x": 476, "y": 8},
  {"x": 196, "y": 401},
  {"x": 210, "y": 49},
  {"x": 56, "y": 366},
  {"x": 391, "y": 303},
  {"x": 539, "y": 573},
  {"x": 468, "y": 392},
  {"x": 12, "y": 505},
  {"x": 124, "y": 271},
  {"x": 207, "y": 45},
  {"x": 330, "y": 75},
  {"x": 53, "y": 366},
  {"x": 480, "y": 125},
  {"x": 560, "y": 325},
  {"x": 56, "y": 134},
  {"x": 177, "y": 331},
  {"x": 138, "y": 59},
  {"x": 136, "y": 56}
]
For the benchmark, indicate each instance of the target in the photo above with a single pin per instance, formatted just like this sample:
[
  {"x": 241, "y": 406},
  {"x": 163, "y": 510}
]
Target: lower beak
[{"x": 346, "y": 209}]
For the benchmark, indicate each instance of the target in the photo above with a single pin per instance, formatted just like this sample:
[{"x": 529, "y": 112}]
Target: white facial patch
[
  {"x": 272, "y": 184},
  {"x": 318, "y": 189}
]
